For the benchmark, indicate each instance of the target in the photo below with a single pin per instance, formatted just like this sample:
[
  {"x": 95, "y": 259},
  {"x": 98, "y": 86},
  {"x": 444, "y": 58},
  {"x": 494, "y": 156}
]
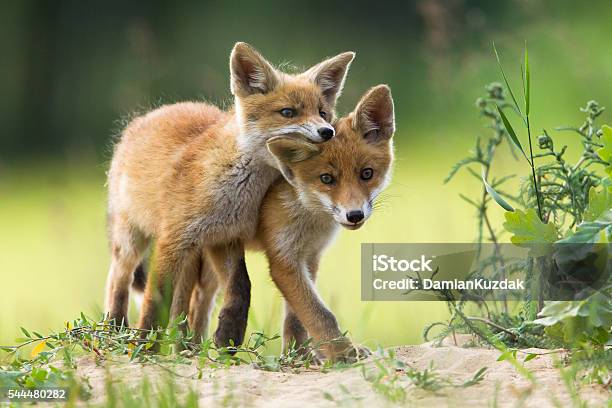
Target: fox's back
[{"x": 154, "y": 149}]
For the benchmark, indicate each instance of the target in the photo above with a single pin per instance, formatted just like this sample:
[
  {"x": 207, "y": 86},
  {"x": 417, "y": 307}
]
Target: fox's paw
[
  {"x": 304, "y": 354},
  {"x": 342, "y": 350},
  {"x": 358, "y": 353},
  {"x": 353, "y": 355},
  {"x": 230, "y": 331},
  {"x": 313, "y": 359}
]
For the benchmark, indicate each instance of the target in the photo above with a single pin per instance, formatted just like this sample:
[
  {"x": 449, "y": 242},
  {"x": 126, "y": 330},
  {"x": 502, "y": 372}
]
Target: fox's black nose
[
  {"x": 326, "y": 133},
  {"x": 354, "y": 216}
]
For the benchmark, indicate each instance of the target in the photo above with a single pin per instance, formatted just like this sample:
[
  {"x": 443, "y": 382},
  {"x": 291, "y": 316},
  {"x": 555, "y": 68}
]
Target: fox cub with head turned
[
  {"x": 192, "y": 177},
  {"x": 325, "y": 185}
]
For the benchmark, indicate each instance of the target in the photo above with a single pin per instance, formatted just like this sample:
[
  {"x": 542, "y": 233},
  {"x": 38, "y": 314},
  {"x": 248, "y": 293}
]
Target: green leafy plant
[
  {"x": 573, "y": 322},
  {"x": 562, "y": 213}
]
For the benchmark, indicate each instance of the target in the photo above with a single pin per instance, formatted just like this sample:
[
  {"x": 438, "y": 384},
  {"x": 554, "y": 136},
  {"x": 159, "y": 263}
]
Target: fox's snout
[
  {"x": 326, "y": 133},
  {"x": 354, "y": 216},
  {"x": 315, "y": 132},
  {"x": 351, "y": 217}
]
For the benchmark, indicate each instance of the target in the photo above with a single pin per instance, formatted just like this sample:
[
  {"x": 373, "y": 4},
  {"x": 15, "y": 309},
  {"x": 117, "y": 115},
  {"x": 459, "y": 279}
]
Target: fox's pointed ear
[
  {"x": 250, "y": 72},
  {"x": 330, "y": 75},
  {"x": 374, "y": 115},
  {"x": 291, "y": 150},
  {"x": 287, "y": 151}
]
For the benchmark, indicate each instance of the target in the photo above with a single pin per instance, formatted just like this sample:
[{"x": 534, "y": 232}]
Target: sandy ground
[{"x": 245, "y": 386}]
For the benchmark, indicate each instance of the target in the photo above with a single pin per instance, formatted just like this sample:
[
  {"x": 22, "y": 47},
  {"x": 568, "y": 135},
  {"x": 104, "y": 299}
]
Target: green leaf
[
  {"x": 511, "y": 132},
  {"x": 136, "y": 352},
  {"x": 476, "y": 378},
  {"x": 39, "y": 374},
  {"x": 599, "y": 230},
  {"x": 505, "y": 79},
  {"x": 599, "y": 202},
  {"x": 530, "y": 232},
  {"x": 529, "y": 357},
  {"x": 27, "y": 334},
  {"x": 509, "y": 355},
  {"x": 527, "y": 81},
  {"x": 503, "y": 356},
  {"x": 498, "y": 199},
  {"x": 9, "y": 378},
  {"x": 259, "y": 340},
  {"x": 572, "y": 322},
  {"x": 605, "y": 152}
]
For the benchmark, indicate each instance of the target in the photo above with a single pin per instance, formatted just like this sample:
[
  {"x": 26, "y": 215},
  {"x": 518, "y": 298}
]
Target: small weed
[
  {"x": 344, "y": 399},
  {"x": 165, "y": 394},
  {"x": 393, "y": 379}
]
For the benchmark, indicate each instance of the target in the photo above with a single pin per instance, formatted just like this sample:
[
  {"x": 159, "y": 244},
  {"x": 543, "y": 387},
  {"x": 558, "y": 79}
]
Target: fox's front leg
[
  {"x": 230, "y": 266},
  {"x": 292, "y": 279},
  {"x": 293, "y": 330}
]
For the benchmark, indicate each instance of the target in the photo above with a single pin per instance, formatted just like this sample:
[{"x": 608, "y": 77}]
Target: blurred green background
[{"x": 71, "y": 71}]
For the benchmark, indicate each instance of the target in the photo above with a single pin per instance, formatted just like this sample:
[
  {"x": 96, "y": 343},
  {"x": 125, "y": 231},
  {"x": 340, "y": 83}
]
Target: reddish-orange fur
[{"x": 298, "y": 220}]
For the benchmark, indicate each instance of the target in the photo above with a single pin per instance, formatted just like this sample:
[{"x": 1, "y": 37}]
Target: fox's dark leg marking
[
  {"x": 293, "y": 330},
  {"x": 118, "y": 312},
  {"x": 140, "y": 278},
  {"x": 233, "y": 316},
  {"x": 234, "y": 313}
]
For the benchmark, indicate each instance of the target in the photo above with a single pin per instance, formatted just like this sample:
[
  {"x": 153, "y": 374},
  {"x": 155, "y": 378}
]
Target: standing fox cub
[
  {"x": 326, "y": 185},
  {"x": 192, "y": 177}
]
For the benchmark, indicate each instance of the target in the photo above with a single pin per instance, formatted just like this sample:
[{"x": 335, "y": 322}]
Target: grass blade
[
  {"x": 523, "y": 78},
  {"x": 511, "y": 132},
  {"x": 498, "y": 199},
  {"x": 527, "y": 81},
  {"x": 506, "y": 79}
]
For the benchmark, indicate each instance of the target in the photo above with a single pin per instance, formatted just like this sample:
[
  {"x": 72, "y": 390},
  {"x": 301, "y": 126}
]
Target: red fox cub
[
  {"x": 325, "y": 185},
  {"x": 192, "y": 177}
]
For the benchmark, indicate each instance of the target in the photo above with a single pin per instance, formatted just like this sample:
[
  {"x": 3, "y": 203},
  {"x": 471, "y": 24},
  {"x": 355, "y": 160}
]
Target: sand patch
[{"x": 245, "y": 386}]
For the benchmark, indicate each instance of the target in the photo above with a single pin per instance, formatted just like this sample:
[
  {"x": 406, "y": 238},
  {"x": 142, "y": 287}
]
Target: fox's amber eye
[
  {"x": 367, "y": 173},
  {"x": 287, "y": 112},
  {"x": 323, "y": 114},
  {"x": 327, "y": 178}
]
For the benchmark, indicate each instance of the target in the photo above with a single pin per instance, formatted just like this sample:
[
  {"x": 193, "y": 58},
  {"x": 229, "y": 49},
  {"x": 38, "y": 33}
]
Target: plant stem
[
  {"x": 484, "y": 217},
  {"x": 493, "y": 324},
  {"x": 535, "y": 183}
]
